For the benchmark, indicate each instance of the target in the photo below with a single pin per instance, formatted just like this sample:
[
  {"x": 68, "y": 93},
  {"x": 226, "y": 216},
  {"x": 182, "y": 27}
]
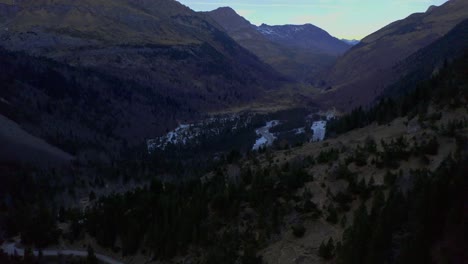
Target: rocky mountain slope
[
  {"x": 305, "y": 36},
  {"x": 296, "y": 51},
  {"x": 365, "y": 71},
  {"x": 161, "y": 44},
  {"x": 182, "y": 61}
]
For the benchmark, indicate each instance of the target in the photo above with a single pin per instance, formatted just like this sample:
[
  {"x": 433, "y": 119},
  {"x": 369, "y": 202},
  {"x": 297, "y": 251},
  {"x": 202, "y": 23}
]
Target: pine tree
[
  {"x": 91, "y": 258},
  {"x": 326, "y": 250}
]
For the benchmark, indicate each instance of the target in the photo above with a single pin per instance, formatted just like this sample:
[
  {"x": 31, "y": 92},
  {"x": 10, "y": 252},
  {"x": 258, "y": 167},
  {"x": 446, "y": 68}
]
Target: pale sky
[{"x": 351, "y": 19}]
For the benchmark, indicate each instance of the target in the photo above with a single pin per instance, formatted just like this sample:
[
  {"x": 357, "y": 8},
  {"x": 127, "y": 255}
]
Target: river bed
[{"x": 266, "y": 138}]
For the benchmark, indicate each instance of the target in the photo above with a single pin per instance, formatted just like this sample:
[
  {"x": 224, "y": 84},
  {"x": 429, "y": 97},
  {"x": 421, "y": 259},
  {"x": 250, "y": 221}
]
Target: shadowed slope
[{"x": 364, "y": 72}]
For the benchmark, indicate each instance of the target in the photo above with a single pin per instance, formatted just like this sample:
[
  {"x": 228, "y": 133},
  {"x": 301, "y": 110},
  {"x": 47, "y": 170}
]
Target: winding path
[{"x": 11, "y": 249}]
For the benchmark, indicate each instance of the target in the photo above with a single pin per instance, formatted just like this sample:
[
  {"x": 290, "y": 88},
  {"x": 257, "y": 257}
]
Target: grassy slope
[{"x": 116, "y": 22}]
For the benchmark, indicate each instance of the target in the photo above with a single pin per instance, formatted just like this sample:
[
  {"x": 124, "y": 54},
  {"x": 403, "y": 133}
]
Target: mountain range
[
  {"x": 307, "y": 37},
  {"x": 298, "y": 51}
]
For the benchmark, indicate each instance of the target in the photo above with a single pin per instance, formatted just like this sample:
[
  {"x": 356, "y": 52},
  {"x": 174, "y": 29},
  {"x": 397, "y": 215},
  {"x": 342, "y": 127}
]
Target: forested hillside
[
  {"x": 77, "y": 109},
  {"x": 388, "y": 188}
]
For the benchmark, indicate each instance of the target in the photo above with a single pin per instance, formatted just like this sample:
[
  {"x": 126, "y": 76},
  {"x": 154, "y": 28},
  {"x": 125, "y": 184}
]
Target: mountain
[
  {"x": 170, "y": 52},
  {"x": 352, "y": 42},
  {"x": 359, "y": 76},
  {"x": 305, "y": 36},
  {"x": 288, "y": 56},
  {"x": 161, "y": 43},
  {"x": 430, "y": 60},
  {"x": 234, "y": 23}
]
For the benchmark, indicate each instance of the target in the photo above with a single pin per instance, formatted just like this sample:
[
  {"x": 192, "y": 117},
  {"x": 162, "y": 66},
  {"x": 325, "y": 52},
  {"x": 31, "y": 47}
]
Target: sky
[{"x": 350, "y": 19}]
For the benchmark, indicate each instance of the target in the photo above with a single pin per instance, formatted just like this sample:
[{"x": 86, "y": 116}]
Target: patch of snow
[
  {"x": 319, "y": 128},
  {"x": 271, "y": 124},
  {"x": 351, "y": 42},
  {"x": 268, "y": 31},
  {"x": 181, "y": 135},
  {"x": 260, "y": 143},
  {"x": 266, "y": 138},
  {"x": 299, "y": 131},
  {"x": 191, "y": 133},
  {"x": 298, "y": 28}
]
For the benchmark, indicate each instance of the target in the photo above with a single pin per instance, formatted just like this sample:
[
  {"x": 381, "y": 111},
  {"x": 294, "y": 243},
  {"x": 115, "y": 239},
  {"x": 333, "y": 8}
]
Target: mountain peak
[
  {"x": 225, "y": 9},
  {"x": 305, "y": 36},
  {"x": 229, "y": 19},
  {"x": 432, "y": 7}
]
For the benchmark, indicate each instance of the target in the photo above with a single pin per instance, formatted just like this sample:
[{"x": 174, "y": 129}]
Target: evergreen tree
[
  {"x": 326, "y": 250},
  {"x": 91, "y": 257}
]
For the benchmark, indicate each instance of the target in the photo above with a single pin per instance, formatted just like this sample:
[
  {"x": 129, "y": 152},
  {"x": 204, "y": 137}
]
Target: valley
[
  {"x": 145, "y": 131},
  {"x": 238, "y": 125}
]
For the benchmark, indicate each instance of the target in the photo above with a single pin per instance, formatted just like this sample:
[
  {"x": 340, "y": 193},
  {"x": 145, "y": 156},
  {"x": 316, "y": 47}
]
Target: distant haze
[{"x": 349, "y": 19}]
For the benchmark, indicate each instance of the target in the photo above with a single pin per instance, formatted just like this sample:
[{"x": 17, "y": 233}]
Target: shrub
[
  {"x": 332, "y": 215},
  {"x": 327, "y": 156},
  {"x": 390, "y": 178},
  {"x": 298, "y": 230},
  {"x": 326, "y": 250}
]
